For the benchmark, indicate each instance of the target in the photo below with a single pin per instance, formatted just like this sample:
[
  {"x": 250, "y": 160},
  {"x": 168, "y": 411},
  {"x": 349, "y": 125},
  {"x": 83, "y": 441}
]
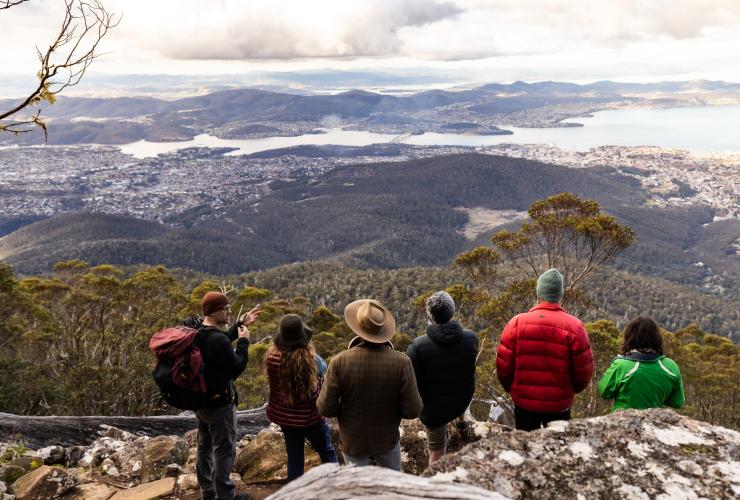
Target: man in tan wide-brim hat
[{"x": 370, "y": 388}]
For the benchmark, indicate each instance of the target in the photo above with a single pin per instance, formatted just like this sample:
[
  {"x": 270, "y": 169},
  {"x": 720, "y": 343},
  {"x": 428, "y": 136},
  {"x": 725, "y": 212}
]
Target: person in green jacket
[{"x": 642, "y": 376}]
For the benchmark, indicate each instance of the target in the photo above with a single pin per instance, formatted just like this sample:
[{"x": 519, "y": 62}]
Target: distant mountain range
[{"x": 234, "y": 113}]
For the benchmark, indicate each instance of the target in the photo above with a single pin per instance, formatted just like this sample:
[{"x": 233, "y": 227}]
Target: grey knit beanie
[
  {"x": 550, "y": 286},
  {"x": 440, "y": 307}
]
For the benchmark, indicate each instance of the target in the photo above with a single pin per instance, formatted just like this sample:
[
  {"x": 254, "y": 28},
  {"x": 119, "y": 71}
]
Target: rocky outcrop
[
  {"x": 632, "y": 454},
  {"x": 628, "y": 455}
]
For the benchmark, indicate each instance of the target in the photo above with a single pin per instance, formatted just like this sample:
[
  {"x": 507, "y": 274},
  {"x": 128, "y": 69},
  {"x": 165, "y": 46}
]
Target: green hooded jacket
[{"x": 640, "y": 380}]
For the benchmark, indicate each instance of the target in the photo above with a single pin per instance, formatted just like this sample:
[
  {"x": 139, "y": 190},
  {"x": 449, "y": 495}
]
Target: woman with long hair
[
  {"x": 642, "y": 376},
  {"x": 295, "y": 373}
]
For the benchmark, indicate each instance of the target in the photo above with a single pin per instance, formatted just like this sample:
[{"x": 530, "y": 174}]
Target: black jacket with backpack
[
  {"x": 444, "y": 364},
  {"x": 223, "y": 363}
]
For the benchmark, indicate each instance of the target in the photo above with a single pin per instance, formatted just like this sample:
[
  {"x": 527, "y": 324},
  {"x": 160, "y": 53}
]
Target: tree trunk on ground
[
  {"x": 331, "y": 482},
  {"x": 38, "y": 432}
]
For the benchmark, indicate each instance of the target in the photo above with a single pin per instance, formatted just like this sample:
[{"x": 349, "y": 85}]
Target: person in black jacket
[
  {"x": 217, "y": 422},
  {"x": 444, "y": 363}
]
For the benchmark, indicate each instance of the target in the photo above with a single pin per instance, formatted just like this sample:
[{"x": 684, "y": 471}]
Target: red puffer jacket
[
  {"x": 300, "y": 413},
  {"x": 544, "y": 358}
]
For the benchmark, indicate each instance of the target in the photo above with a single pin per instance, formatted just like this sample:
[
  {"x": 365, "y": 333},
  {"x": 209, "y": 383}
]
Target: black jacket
[
  {"x": 444, "y": 363},
  {"x": 223, "y": 363}
]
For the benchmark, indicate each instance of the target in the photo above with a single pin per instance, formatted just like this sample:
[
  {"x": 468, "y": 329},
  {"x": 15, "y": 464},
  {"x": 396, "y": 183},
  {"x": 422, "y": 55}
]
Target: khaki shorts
[{"x": 437, "y": 438}]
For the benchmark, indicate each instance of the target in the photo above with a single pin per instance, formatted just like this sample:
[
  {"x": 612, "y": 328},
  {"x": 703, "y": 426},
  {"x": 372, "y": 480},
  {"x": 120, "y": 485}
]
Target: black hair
[{"x": 641, "y": 334}]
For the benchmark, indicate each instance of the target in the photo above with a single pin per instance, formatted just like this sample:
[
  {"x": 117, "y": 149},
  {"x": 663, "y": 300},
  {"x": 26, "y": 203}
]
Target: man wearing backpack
[{"x": 217, "y": 421}]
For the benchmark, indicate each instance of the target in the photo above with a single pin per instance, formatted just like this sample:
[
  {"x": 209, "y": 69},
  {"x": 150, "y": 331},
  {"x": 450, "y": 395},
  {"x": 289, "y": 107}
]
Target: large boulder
[
  {"x": 161, "y": 452},
  {"x": 44, "y": 483},
  {"x": 264, "y": 459},
  {"x": 631, "y": 454}
]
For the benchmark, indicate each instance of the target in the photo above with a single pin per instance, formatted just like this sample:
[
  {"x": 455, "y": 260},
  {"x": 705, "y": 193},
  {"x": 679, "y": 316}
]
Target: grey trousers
[
  {"x": 390, "y": 459},
  {"x": 216, "y": 451}
]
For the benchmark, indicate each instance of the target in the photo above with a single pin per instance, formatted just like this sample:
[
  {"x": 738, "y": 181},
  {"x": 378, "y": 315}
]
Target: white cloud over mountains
[
  {"x": 559, "y": 37},
  {"x": 427, "y": 29}
]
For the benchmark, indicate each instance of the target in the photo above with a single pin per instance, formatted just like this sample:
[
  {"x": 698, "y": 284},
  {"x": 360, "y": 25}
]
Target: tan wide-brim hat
[{"x": 371, "y": 320}]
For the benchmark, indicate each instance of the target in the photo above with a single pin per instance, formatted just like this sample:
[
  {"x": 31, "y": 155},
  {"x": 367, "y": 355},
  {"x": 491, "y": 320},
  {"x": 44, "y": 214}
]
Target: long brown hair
[
  {"x": 298, "y": 373},
  {"x": 642, "y": 334}
]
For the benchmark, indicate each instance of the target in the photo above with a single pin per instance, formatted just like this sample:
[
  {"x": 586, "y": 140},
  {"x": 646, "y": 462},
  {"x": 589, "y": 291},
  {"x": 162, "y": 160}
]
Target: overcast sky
[{"x": 475, "y": 40}]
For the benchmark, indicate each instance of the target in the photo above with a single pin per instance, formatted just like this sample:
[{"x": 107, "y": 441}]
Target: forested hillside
[
  {"x": 387, "y": 215},
  {"x": 75, "y": 342}
]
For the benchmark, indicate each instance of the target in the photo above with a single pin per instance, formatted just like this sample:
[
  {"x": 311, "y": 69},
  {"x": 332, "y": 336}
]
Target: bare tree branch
[
  {"x": 64, "y": 63},
  {"x": 6, "y": 4}
]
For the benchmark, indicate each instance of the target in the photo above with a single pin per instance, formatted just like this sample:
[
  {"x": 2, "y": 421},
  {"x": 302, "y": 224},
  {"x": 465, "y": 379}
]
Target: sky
[{"x": 460, "y": 40}]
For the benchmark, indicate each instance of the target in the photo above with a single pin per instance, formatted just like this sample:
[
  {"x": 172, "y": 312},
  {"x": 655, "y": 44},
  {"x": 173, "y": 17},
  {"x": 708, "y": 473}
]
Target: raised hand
[{"x": 251, "y": 316}]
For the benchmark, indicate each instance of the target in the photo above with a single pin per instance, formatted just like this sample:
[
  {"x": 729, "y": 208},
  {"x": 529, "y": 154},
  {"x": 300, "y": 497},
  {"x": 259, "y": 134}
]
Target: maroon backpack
[{"x": 179, "y": 373}]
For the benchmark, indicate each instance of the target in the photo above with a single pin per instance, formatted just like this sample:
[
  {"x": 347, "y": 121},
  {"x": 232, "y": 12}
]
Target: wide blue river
[{"x": 702, "y": 130}]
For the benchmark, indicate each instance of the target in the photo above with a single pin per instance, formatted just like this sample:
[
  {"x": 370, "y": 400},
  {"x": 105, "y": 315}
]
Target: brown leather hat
[{"x": 371, "y": 320}]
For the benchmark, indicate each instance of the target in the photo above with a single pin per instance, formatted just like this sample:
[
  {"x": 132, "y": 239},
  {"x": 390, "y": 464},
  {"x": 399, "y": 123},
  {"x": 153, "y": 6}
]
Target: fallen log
[
  {"x": 334, "y": 482},
  {"x": 38, "y": 432}
]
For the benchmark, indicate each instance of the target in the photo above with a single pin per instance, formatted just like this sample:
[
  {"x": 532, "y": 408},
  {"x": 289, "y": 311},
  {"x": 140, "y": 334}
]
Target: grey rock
[
  {"x": 130, "y": 457},
  {"x": 9, "y": 473},
  {"x": 73, "y": 455},
  {"x": 172, "y": 470},
  {"x": 102, "y": 448},
  {"x": 633, "y": 454},
  {"x": 161, "y": 452},
  {"x": 115, "y": 433},
  {"x": 51, "y": 455}
]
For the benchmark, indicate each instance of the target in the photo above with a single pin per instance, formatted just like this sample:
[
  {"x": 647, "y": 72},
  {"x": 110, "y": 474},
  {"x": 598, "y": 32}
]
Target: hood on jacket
[
  {"x": 445, "y": 334},
  {"x": 642, "y": 357}
]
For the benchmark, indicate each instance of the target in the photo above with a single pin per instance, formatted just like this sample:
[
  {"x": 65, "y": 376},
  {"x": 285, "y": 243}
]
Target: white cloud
[
  {"x": 291, "y": 29},
  {"x": 507, "y": 39}
]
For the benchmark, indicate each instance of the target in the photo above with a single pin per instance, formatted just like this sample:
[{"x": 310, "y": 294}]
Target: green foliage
[
  {"x": 401, "y": 341},
  {"x": 564, "y": 232},
  {"x": 75, "y": 342},
  {"x": 322, "y": 319}
]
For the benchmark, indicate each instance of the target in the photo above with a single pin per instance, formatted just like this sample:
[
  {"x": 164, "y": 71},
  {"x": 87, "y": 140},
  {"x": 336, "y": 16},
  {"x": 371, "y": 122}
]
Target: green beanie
[{"x": 550, "y": 286}]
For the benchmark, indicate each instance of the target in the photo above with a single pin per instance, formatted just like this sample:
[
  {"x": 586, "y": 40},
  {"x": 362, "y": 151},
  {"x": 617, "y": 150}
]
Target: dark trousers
[
  {"x": 319, "y": 435},
  {"x": 530, "y": 420},
  {"x": 216, "y": 451}
]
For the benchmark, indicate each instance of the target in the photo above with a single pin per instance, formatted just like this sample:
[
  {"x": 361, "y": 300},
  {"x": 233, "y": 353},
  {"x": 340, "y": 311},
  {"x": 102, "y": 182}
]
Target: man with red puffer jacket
[{"x": 544, "y": 358}]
